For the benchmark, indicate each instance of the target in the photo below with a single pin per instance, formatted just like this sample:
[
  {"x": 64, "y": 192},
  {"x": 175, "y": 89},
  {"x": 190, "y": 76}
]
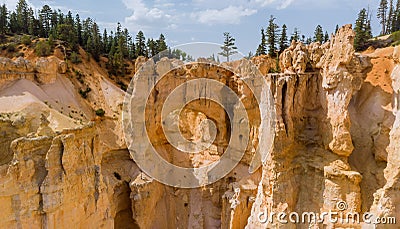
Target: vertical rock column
[{"x": 387, "y": 199}]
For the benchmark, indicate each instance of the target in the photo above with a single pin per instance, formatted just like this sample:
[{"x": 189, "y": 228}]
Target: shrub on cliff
[
  {"x": 100, "y": 112},
  {"x": 43, "y": 48}
]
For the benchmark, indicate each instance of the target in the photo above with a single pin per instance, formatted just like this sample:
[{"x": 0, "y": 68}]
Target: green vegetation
[
  {"x": 26, "y": 40},
  {"x": 43, "y": 48},
  {"x": 229, "y": 48},
  {"x": 272, "y": 31},
  {"x": 11, "y": 47},
  {"x": 53, "y": 24},
  {"x": 275, "y": 40},
  {"x": 362, "y": 30},
  {"x": 262, "y": 47},
  {"x": 100, "y": 112},
  {"x": 84, "y": 93},
  {"x": 319, "y": 34},
  {"x": 75, "y": 58},
  {"x": 389, "y": 16}
]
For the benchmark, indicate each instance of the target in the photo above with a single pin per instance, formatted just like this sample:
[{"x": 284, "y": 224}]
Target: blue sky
[{"x": 205, "y": 20}]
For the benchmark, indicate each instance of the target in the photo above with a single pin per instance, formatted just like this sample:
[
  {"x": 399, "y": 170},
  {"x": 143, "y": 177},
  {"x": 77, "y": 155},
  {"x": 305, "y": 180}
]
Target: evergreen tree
[
  {"x": 272, "y": 40},
  {"x": 69, "y": 20},
  {"x": 283, "y": 40},
  {"x": 396, "y": 25},
  {"x": 86, "y": 30},
  {"x": 67, "y": 33},
  {"x": 45, "y": 15},
  {"x": 140, "y": 44},
  {"x": 319, "y": 34},
  {"x": 229, "y": 48},
  {"x": 303, "y": 38},
  {"x": 132, "y": 49},
  {"x": 326, "y": 37},
  {"x": 161, "y": 44},
  {"x": 22, "y": 12},
  {"x": 78, "y": 26},
  {"x": 95, "y": 42},
  {"x": 54, "y": 24},
  {"x": 390, "y": 24},
  {"x": 3, "y": 19},
  {"x": 262, "y": 47},
  {"x": 362, "y": 29},
  {"x": 382, "y": 15},
  {"x": 54, "y": 21},
  {"x": 296, "y": 35},
  {"x": 105, "y": 42},
  {"x": 151, "y": 47},
  {"x": 33, "y": 24},
  {"x": 13, "y": 24},
  {"x": 337, "y": 29}
]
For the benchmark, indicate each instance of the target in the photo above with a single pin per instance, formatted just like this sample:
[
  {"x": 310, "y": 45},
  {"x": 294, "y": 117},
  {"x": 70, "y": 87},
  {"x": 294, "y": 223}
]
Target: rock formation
[{"x": 60, "y": 165}]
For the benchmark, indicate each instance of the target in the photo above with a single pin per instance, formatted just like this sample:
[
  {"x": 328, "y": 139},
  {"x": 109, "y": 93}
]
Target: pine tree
[
  {"x": 296, "y": 35},
  {"x": 319, "y": 34},
  {"x": 78, "y": 26},
  {"x": 13, "y": 23},
  {"x": 272, "y": 40},
  {"x": 45, "y": 20},
  {"x": 151, "y": 47},
  {"x": 105, "y": 42},
  {"x": 22, "y": 16},
  {"x": 337, "y": 29},
  {"x": 132, "y": 49},
  {"x": 391, "y": 20},
  {"x": 283, "y": 40},
  {"x": 69, "y": 20},
  {"x": 161, "y": 44},
  {"x": 95, "y": 50},
  {"x": 3, "y": 19},
  {"x": 33, "y": 24},
  {"x": 396, "y": 26},
  {"x": 140, "y": 44},
  {"x": 382, "y": 15},
  {"x": 54, "y": 21},
  {"x": 67, "y": 33},
  {"x": 262, "y": 47},
  {"x": 362, "y": 29},
  {"x": 326, "y": 38},
  {"x": 229, "y": 48}
]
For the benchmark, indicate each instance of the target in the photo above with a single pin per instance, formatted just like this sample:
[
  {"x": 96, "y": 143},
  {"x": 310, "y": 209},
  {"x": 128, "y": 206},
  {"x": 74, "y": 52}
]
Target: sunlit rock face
[{"x": 336, "y": 138}]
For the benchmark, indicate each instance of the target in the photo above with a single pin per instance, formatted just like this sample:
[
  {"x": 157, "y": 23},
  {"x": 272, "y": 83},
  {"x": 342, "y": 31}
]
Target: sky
[{"x": 185, "y": 21}]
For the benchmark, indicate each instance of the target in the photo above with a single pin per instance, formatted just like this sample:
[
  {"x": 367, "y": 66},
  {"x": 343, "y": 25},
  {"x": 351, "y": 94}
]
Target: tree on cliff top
[
  {"x": 382, "y": 15},
  {"x": 283, "y": 40},
  {"x": 272, "y": 32},
  {"x": 319, "y": 34},
  {"x": 262, "y": 47},
  {"x": 229, "y": 48},
  {"x": 362, "y": 29}
]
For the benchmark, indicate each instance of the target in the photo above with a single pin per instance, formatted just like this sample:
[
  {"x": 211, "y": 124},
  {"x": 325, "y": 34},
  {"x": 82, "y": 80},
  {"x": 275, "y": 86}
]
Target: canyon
[{"x": 335, "y": 138}]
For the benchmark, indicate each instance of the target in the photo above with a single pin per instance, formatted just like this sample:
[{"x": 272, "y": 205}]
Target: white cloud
[
  {"x": 171, "y": 15},
  {"x": 229, "y": 15},
  {"x": 285, "y": 4},
  {"x": 146, "y": 17},
  {"x": 12, "y": 4},
  {"x": 280, "y": 4}
]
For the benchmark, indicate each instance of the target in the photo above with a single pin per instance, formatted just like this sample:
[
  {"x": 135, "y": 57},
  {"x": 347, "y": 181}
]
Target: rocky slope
[{"x": 336, "y": 139}]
